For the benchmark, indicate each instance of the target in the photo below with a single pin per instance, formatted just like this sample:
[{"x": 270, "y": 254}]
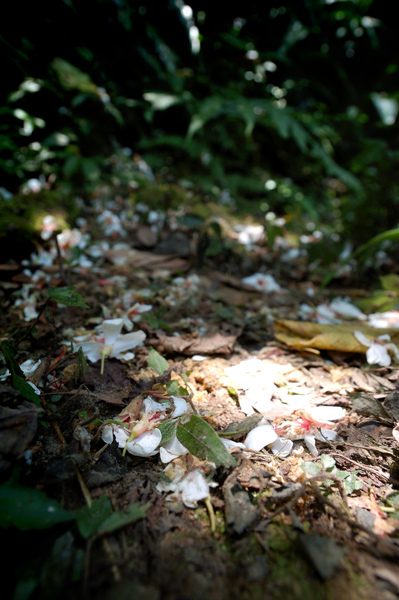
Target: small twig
[
  {"x": 83, "y": 487},
  {"x": 365, "y": 468}
]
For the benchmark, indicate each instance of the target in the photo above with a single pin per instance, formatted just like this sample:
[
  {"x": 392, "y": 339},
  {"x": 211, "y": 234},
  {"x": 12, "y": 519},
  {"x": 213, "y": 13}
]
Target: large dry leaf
[
  {"x": 305, "y": 335},
  {"x": 210, "y": 344}
]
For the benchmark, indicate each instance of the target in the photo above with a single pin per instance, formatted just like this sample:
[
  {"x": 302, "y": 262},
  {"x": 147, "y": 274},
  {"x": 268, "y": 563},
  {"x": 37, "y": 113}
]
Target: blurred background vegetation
[{"x": 270, "y": 108}]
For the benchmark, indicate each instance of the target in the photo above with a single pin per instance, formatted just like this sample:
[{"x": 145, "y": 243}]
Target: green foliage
[
  {"x": 284, "y": 94},
  {"x": 327, "y": 464},
  {"x": 29, "y": 508},
  {"x": 99, "y": 518},
  {"x": 67, "y": 295},
  {"x": 201, "y": 440},
  {"x": 18, "y": 377},
  {"x": 157, "y": 362}
]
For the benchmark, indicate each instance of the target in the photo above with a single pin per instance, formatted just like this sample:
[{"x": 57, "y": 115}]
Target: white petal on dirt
[
  {"x": 310, "y": 443},
  {"x": 327, "y": 434},
  {"x": 252, "y": 372},
  {"x": 175, "y": 472},
  {"x": 378, "y": 355},
  {"x": 150, "y": 406},
  {"x": 82, "y": 436},
  {"x": 259, "y": 437},
  {"x": 193, "y": 488},
  {"x": 107, "y": 434},
  {"x": 198, "y": 357},
  {"x": 327, "y": 413},
  {"x": 347, "y": 309},
  {"x": 146, "y": 444},
  {"x": 174, "y": 448},
  {"x": 282, "y": 447},
  {"x": 230, "y": 444},
  {"x": 181, "y": 406},
  {"x": 262, "y": 282},
  {"x": 259, "y": 395}
]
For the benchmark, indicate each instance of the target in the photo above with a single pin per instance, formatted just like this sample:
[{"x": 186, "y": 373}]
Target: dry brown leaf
[
  {"x": 302, "y": 335},
  {"x": 211, "y": 344}
]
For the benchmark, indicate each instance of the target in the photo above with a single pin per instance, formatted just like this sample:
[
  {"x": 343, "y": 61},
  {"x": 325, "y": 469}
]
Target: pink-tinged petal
[
  {"x": 127, "y": 342},
  {"x": 111, "y": 329}
]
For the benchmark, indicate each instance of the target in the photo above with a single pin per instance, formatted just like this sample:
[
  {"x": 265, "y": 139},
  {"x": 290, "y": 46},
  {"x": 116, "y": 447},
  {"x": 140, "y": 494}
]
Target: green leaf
[
  {"x": 327, "y": 461},
  {"x": 82, "y": 365},
  {"x": 157, "y": 362},
  {"x": 352, "y": 483},
  {"x": 120, "y": 519},
  {"x": 18, "y": 377},
  {"x": 25, "y": 389},
  {"x": 202, "y": 441},
  {"x": 67, "y": 295},
  {"x": 167, "y": 428},
  {"x": 90, "y": 519},
  {"x": 173, "y": 388},
  {"x": 310, "y": 468},
  {"x": 393, "y": 499},
  {"x": 29, "y": 508},
  {"x": 99, "y": 518}
]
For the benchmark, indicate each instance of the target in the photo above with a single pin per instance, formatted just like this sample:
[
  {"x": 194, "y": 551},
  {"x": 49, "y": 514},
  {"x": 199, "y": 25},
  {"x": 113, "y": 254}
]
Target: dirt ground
[{"x": 279, "y": 531}]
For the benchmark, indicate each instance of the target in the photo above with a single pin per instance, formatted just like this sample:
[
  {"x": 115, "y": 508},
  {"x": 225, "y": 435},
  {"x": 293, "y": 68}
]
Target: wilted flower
[{"x": 111, "y": 343}]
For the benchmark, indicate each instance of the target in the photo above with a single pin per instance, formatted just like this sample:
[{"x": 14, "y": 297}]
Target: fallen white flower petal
[
  {"x": 172, "y": 449},
  {"x": 180, "y": 407},
  {"x": 230, "y": 444},
  {"x": 262, "y": 282},
  {"x": 327, "y": 413},
  {"x": 310, "y": 443},
  {"x": 146, "y": 444},
  {"x": 377, "y": 353},
  {"x": 282, "y": 447},
  {"x": 347, "y": 309},
  {"x": 259, "y": 437},
  {"x": 193, "y": 488},
  {"x": 174, "y": 471}
]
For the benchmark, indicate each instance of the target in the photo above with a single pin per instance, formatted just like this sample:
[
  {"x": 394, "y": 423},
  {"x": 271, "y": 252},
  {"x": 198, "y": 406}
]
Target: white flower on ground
[
  {"x": 145, "y": 444},
  {"x": 262, "y": 283},
  {"x": 112, "y": 343},
  {"x": 190, "y": 489},
  {"x": 378, "y": 349}
]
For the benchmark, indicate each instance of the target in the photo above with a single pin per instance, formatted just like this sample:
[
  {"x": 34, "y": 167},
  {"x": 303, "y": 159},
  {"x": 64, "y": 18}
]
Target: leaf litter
[{"x": 250, "y": 438}]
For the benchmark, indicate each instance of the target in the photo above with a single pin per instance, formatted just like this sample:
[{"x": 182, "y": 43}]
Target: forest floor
[{"x": 304, "y": 522}]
